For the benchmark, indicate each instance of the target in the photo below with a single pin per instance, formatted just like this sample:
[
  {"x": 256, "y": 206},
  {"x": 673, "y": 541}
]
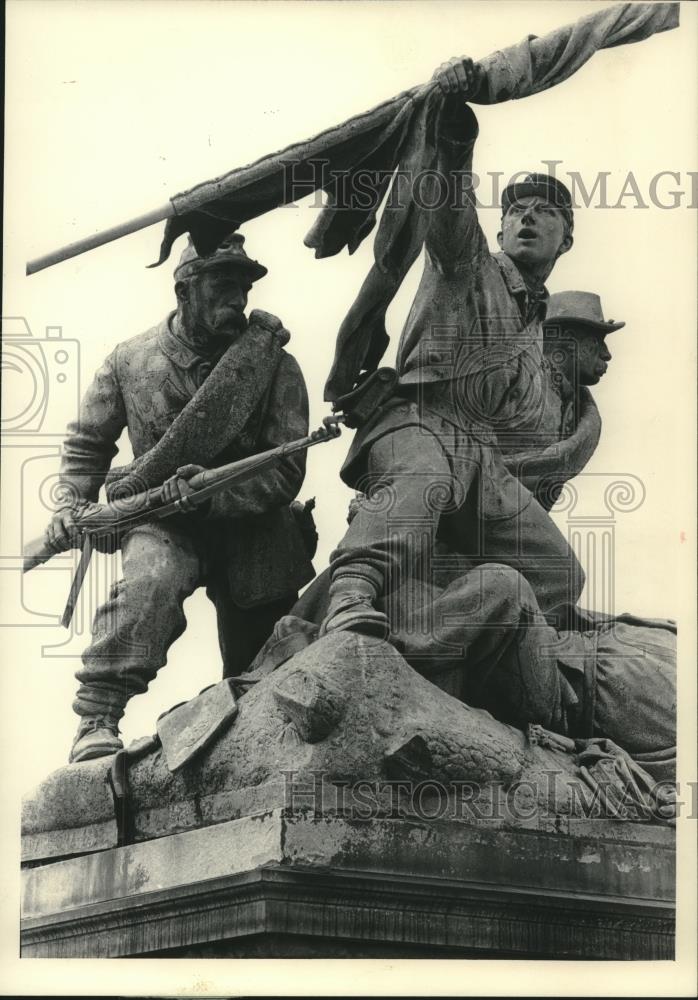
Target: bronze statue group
[{"x": 450, "y": 553}]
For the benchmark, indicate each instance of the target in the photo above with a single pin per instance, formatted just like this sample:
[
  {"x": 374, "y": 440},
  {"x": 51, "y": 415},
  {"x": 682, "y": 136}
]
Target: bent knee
[
  {"x": 154, "y": 588},
  {"x": 506, "y": 584},
  {"x": 408, "y": 453}
]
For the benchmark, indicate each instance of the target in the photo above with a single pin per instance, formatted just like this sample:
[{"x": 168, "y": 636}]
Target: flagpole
[
  {"x": 99, "y": 239},
  {"x": 560, "y": 62},
  {"x": 168, "y": 211}
]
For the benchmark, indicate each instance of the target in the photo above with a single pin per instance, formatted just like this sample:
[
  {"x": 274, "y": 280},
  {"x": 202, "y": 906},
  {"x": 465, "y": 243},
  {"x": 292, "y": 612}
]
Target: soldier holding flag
[
  {"x": 472, "y": 387},
  {"x": 473, "y": 391}
]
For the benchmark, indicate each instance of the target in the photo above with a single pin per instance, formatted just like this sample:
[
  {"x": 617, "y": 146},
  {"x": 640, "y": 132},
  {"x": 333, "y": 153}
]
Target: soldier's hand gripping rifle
[{"x": 109, "y": 522}]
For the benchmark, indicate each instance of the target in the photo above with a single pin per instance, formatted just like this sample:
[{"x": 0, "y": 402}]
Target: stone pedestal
[{"x": 298, "y": 884}]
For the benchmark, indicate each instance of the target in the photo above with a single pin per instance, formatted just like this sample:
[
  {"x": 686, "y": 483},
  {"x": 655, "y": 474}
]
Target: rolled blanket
[
  {"x": 545, "y": 472},
  {"x": 215, "y": 416}
]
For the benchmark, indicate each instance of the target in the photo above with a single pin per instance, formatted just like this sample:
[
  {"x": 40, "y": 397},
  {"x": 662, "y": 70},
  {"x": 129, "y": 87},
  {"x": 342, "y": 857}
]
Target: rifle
[{"x": 112, "y": 520}]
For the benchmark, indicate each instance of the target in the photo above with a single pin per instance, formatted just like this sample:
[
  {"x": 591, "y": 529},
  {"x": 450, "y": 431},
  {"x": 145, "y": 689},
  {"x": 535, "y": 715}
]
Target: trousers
[
  {"x": 432, "y": 484},
  {"x": 484, "y": 640},
  {"x": 133, "y": 630}
]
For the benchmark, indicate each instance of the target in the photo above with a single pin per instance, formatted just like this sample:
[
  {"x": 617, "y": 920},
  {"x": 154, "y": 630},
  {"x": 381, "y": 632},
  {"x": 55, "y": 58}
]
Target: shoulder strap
[
  {"x": 217, "y": 413},
  {"x": 254, "y": 425}
]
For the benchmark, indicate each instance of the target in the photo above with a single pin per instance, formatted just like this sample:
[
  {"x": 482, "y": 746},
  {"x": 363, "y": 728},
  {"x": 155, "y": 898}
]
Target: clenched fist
[
  {"x": 177, "y": 487},
  {"x": 63, "y": 531},
  {"x": 459, "y": 76}
]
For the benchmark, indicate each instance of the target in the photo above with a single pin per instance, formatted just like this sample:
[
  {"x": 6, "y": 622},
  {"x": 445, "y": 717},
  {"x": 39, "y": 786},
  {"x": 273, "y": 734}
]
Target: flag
[{"x": 368, "y": 152}]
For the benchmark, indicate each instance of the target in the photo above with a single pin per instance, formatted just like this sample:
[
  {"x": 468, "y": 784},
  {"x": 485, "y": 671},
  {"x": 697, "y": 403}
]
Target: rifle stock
[{"x": 36, "y": 553}]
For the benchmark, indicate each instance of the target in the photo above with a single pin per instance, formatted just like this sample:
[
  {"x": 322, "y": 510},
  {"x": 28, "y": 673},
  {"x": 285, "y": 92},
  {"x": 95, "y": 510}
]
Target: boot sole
[{"x": 91, "y": 753}]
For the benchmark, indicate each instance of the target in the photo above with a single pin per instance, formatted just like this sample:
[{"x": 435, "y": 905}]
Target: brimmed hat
[
  {"x": 230, "y": 253},
  {"x": 578, "y": 307},
  {"x": 543, "y": 185}
]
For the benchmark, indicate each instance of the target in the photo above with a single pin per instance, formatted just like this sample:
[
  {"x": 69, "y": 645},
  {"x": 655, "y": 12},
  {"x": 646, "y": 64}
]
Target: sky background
[{"x": 111, "y": 108}]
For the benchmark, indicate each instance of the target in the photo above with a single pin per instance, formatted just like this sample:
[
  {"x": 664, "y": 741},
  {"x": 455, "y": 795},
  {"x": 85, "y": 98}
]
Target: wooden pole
[{"x": 99, "y": 239}]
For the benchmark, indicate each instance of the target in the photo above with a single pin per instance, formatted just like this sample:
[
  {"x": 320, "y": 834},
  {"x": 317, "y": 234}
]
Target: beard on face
[
  {"x": 230, "y": 323},
  {"x": 204, "y": 324}
]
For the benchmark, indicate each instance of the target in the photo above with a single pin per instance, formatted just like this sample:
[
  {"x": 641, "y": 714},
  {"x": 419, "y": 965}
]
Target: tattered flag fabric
[
  {"x": 396, "y": 138},
  {"x": 374, "y": 141}
]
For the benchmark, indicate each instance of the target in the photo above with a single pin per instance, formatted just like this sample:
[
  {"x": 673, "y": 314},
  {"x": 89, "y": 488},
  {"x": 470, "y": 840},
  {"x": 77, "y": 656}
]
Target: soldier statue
[
  {"x": 204, "y": 387},
  {"x": 575, "y": 356},
  {"x": 473, "y": 388},
  {"x": 480, "y": 635}
]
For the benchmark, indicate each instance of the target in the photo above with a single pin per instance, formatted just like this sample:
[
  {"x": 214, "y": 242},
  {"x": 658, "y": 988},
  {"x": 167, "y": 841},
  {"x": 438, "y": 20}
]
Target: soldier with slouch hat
[{"x": 576, "y": 356}]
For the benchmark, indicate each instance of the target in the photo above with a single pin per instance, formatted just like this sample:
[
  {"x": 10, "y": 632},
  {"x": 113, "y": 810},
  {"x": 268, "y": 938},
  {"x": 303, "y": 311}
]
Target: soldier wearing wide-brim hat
[
  {"x": 571, "y": 309},
  {"x": 575, "y": 336},
  {"x": 204, "y": 387},
  {"x": 576, "y": 356}
]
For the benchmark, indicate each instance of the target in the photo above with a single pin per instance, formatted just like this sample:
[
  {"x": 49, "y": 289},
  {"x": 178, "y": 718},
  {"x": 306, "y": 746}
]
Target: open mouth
[{"x": 527, "y": 233}]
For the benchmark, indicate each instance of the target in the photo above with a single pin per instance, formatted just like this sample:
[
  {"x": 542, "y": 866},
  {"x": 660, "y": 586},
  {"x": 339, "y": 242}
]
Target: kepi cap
[
  {"x": 544, "y": 186},
  {"x": 228, "y": 254}
]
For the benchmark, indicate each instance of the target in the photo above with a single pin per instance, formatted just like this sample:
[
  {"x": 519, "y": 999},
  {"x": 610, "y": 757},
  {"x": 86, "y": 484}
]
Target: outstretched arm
[{"x": 454, "y": 239}]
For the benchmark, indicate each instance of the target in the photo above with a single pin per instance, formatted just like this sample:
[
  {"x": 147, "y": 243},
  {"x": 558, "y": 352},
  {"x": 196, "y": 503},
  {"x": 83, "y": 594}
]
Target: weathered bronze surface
[
  {"x": 442, "y": 661},
  {"x": 172, "y": 387}
]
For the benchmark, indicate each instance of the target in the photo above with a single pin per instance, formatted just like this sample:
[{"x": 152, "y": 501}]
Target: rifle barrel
[
  {"x": 114, "y": 517},
  {"x": 36, "y": 553}
]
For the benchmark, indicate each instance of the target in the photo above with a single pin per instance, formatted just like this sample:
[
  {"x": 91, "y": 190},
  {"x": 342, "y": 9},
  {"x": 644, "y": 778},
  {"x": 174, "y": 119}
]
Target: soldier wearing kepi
[
  {"x": 472, "y": 389},
  {"x": 204, "y": 387}
]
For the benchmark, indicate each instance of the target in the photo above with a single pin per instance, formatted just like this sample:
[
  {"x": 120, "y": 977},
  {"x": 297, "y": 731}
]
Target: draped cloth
[
  {"x": 362, "y": 163},
  {"x": 545, "y": 471},
  {"x": 217, "y": 413}
]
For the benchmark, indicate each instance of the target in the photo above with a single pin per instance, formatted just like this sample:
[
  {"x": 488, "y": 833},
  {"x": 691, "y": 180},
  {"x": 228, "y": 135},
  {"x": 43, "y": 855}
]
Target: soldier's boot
[
  {"x": 352, "y": 608},
  {"x": 97, "y": 736}
]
